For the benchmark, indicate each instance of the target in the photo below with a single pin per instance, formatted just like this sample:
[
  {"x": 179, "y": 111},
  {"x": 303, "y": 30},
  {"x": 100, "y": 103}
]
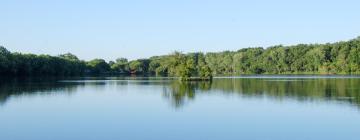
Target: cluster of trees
[
  {"x": 176, "y": 64},
  {"x": 30, "y": 64},
  {"x": 335, "y": 58},
  {"x": 331, "y": 58}
]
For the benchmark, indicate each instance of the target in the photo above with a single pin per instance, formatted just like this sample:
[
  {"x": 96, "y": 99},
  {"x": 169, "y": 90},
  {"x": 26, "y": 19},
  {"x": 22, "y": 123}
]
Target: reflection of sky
[{"x": 138, "y": 111}]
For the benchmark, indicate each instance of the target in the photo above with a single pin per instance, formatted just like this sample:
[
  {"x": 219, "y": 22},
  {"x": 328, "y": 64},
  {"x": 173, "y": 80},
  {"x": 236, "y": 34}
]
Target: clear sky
[{"x": 141, "y": 28}]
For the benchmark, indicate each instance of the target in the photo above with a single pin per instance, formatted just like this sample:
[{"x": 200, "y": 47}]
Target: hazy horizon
[{"x": 140, "y": 29}]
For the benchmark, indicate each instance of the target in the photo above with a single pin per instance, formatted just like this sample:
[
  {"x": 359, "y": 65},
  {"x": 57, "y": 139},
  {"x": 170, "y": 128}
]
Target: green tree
[
  {"x": 98, "y": 66},
  {"x": 5, "y": 62},
  {"x": 121, "y": 66}
]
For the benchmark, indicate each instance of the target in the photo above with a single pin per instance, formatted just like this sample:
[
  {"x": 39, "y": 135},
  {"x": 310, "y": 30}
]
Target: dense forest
[{"x": 331, "y": 58}]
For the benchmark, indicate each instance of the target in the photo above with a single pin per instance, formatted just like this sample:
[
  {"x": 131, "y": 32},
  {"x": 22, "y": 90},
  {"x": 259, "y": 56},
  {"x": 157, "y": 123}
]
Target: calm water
[{"x": 252, "y": 107}]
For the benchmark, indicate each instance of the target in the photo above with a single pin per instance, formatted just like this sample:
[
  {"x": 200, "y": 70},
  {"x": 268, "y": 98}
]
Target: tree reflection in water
[
  {"x": 323, "y": 89},
  {"x": 17, "y": 87},
  {"x": 339, "y": 90},
  {"x": 180, "y": 92}
]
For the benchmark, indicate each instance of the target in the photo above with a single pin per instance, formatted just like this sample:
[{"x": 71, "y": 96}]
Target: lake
[{"x": 228, "y": 108}]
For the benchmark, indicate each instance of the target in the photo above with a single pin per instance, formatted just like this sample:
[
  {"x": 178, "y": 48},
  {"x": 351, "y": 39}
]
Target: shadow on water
[
  {"x": 302, "y": 90},
  {"x": 337, "y": 90},
  {"x": 181, "y": 92},
  {"x": 17, "y": 87}
]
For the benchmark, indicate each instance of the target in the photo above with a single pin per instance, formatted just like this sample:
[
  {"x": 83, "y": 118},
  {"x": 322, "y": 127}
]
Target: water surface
[{"x": 228, "y": 108}]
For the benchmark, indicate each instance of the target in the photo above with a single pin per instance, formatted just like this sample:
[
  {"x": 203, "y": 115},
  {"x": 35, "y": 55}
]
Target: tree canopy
[{"x": 331, "y": 58}]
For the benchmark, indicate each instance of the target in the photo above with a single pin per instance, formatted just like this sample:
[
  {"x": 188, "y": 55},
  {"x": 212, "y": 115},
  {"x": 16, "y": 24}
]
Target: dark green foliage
[
  {"x": 42, "y": 65},
  {"x": 120, "y": 66},
  {"x": 98, "y": 66},
  {"x": 335, "y": 58},
  {"x": 5, "y": 62},
  {"x": 140, "y": 66},
  {"x": 205, "y": 72},
  {"x": 185, "y": 66}
]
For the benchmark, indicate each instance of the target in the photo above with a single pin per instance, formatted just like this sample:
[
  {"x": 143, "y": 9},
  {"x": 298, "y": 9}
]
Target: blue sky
[{"x": 141, "y": 28}]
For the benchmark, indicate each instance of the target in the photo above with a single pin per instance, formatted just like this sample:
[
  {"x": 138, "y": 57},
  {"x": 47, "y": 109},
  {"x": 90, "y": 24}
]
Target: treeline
[
  {"x": 335, "y": 58},
  {"x": 176, "y": 64},
  {"x": 17, "y": 64},
  {"x": 330, "y": 58}
]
